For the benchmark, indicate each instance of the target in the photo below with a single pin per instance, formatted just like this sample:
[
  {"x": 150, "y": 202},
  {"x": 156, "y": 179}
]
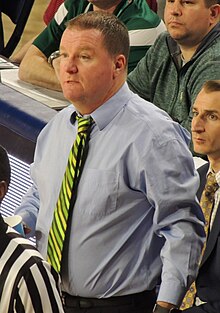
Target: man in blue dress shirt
[{"x": 136, "y": 219}]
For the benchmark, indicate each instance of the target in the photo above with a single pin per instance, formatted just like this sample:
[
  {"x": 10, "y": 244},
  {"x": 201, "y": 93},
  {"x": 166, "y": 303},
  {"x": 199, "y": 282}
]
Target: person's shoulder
[
  {"x": 155, "y": 120},
  {"x": 69, "y": 9},
  {"x": 24, "y": 247},
  {"x": 145, "y": 111},
  {"x": 27, "y": 260},
  {"x": 210, "y": 45},
  {"x": 161, "y": 40},
  {"x": 160, "y": 48},
  {"x": 214, "y": 48}
]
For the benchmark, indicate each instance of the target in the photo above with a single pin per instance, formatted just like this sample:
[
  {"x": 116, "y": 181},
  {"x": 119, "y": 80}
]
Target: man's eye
[
  {"x": 213, "y": 117},
  {"x": 194, "y": 113},
  {"x": 187, "y": 2},
  {"x": 63, "y": 55},
  {"x": 84, "y": 57}
]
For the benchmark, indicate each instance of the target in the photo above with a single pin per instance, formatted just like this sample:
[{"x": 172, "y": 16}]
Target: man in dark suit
[{"x": 206, "y": 140}]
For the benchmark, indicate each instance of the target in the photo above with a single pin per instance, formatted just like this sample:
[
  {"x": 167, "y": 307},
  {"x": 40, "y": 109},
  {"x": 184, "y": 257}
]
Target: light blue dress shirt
[{"x": 136, "y": 216}]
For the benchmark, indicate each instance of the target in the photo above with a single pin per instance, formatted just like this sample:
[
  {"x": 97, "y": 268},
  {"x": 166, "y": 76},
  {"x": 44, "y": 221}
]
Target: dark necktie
[
  {"x": 206, "y": 203},
  {"x": 70, "y": 181}
]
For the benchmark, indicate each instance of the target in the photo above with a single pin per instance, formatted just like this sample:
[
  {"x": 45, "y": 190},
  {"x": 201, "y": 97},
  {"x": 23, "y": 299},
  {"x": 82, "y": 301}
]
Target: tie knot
[
  {"x": 211, "y": 185},
  {"x": 83, "y": 123}
]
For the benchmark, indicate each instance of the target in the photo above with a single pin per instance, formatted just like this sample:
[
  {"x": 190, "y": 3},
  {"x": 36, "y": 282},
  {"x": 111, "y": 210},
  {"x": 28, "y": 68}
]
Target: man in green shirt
[{"x": 143, "y": 24}]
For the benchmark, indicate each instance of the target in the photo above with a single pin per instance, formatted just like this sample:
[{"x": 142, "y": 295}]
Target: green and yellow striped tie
[{"x": 68, "y": 187}]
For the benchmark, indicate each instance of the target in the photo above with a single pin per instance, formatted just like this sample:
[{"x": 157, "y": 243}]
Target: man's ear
[
  {"x": 120, "y": 64},
  {"x": 215, "y": 12},
  {"x": 3, "y": 189}
]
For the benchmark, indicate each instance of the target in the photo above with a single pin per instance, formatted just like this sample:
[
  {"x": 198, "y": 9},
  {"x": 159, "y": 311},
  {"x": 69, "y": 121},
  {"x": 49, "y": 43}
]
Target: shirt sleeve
[
  {"x": 142, "y": 34},
  {"x": 49, "y": 39},
  {"x": 29, "y": 208},
  {"x": 172, "y": 182}
]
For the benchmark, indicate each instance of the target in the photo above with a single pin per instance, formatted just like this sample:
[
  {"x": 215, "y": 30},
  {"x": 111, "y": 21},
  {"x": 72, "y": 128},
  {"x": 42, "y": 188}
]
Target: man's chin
[
  {"x": 200, "y": 151},
  {"x": 177, "y": 36}
]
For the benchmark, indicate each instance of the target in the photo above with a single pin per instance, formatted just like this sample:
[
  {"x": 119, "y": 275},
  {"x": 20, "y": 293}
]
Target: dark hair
[
  {"x": 5, "y": 169},
  {"x": 115, "y": 33},
  {"x": 211, "y": 86}
]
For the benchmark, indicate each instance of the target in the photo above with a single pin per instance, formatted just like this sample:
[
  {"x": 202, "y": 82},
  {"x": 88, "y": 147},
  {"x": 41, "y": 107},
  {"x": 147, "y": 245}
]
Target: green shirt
[{"x": 143, "y": 25}]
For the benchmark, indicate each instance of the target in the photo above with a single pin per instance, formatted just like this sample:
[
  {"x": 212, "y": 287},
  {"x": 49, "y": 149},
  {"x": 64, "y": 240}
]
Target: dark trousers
[{"x": 136, "y": 303}]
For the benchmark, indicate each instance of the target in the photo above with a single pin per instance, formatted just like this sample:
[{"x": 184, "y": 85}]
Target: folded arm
[{"x": 35, "y": 69}]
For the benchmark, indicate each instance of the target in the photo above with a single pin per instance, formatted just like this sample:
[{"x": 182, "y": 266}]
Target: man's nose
[
  {"x": 197, "y": 124},
  {"x": 176, "y": 8},
  {"x": 71, "y": 66}
]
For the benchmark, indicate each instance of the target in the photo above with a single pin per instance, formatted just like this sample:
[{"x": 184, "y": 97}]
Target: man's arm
[
  {"x": 35, "y": 69},
  {"x": 28, "y": 209},
  {"x": 18, "y": 56},
  {"x": 165, "y": 307},
  {"x": 178, "y": 218}
]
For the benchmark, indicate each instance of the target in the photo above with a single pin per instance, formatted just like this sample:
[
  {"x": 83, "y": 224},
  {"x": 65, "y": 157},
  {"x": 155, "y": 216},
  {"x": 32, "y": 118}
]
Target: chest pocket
[{"x": 97, "y": 193}]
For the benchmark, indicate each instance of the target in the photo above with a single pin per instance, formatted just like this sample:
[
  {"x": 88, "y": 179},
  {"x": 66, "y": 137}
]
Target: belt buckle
[{"x": 85, "y": 303}]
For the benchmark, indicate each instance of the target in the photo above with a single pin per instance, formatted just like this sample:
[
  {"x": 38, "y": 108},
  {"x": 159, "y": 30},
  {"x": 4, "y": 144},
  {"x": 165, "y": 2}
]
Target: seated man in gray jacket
[{"x": 174, "y": 69}]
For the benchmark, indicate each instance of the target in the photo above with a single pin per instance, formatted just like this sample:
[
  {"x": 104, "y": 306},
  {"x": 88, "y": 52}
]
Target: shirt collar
[
  {"x": 217, "y": 175},
  {"x": 107, "y": 111},
  {"x": 103, "y": 115}
]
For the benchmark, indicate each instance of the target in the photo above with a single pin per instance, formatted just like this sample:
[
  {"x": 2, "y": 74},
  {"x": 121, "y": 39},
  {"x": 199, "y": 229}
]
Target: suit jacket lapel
[
  {"x": 202, "y": 173},
  {"x": 216, "y": 225},
  {"x": 212, "y": 237}
]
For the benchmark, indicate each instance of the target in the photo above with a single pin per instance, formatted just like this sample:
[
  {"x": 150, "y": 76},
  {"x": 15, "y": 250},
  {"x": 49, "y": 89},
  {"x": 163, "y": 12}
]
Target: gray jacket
[{"x": 160, "y": 77}]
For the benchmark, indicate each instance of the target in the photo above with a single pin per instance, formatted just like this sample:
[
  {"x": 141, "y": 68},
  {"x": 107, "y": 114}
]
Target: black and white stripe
[{"x": 27, "y": 281}]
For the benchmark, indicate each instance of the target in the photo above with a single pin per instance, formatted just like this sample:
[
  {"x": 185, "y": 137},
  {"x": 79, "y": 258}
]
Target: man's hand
[{"x": 27, "y": 230}]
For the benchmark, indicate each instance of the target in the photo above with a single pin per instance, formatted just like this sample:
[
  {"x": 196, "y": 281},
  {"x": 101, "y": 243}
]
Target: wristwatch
[
  {"x": 160, "y": 309},
  {"x": 53, "y": 56}
]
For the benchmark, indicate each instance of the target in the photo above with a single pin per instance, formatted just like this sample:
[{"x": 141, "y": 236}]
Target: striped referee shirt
[{"x": 27, "y": 282}]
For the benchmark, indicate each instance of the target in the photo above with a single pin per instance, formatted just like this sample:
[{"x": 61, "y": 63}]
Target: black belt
[{"x": 133, "y": 299}]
